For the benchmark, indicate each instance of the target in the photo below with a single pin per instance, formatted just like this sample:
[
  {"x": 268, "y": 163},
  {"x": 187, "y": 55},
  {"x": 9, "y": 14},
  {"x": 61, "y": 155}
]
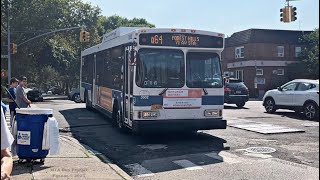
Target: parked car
[
  {"x": 300, "y": 95},
  {"x": 236, "y": 92},
  {"x": 74, "y": 95},
  {"x": 56, "y": 91},
  {"x": 35, "y": 95}
]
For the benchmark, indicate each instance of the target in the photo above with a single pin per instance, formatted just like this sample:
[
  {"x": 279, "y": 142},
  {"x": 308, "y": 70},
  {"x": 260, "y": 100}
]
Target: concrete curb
[
  {"x": 55, "y": 98},
  {"x": 99, "y": 155}
]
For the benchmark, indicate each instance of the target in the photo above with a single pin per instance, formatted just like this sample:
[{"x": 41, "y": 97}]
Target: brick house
[{"x": 259, "y": 57}]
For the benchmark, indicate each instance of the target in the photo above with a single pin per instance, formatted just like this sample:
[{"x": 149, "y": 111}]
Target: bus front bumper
[{"x": 178, "y": 124}]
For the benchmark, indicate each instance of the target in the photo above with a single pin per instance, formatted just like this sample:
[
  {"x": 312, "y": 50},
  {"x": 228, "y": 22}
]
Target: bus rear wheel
[{"x": 118, "y": 120}]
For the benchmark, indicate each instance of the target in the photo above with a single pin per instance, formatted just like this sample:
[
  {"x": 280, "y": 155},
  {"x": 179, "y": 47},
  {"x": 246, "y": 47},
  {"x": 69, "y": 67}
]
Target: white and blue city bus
[{"x": 147, "y": 79}]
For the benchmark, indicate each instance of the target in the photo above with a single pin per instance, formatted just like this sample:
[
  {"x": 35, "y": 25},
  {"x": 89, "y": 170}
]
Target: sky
[{"x": 214, "y": 15}]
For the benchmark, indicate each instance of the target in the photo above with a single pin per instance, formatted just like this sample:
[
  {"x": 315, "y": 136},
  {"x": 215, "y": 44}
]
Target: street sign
[{"x": 4, "y": 56}]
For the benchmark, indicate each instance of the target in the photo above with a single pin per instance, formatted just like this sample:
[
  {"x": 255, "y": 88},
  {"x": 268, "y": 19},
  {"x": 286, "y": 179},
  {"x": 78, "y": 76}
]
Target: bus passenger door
[
  {"x": 94, "y": 86},
  {"x": 127, "y": 89}
]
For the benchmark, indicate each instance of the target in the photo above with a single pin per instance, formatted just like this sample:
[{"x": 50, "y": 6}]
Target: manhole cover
[{"x": 260, "y": 150}]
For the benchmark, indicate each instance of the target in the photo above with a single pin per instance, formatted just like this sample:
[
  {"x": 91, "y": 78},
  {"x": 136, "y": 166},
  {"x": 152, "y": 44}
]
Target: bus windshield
[
  {"x": 160, "y": 68},
  {"x": 203, "y": 70}
]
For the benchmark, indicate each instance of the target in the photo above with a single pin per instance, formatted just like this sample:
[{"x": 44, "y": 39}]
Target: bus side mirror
[{"x": 133, "y": 57}]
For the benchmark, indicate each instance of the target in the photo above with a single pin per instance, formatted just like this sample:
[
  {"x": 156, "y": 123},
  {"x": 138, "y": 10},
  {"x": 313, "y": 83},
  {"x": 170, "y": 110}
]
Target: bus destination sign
[{"x": 181, "y": 40}]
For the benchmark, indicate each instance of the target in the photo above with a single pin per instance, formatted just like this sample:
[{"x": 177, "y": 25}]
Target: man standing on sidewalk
[
  {"x": 12, "y": 97},
  {"x": 21, "y": 96},
  {"x": 6, "y": 141}
]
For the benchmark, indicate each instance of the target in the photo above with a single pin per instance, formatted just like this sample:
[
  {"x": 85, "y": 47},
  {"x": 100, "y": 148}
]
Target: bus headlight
[
  {"x": 213, "y": 113},
  {"x": 148, "y": 114}
]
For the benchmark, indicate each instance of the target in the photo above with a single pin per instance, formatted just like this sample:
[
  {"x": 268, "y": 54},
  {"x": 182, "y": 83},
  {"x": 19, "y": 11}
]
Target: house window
[
  {"x": 298, "y": 51},
  {"x": 280, "y": 72},
  {"x": 239, "y": 52},
  {"x": 260, "y": 80},
  {"x": 280, "y": 51},
  {"x": 239, "y": 75},
  {"x": 259, "y": 72}
]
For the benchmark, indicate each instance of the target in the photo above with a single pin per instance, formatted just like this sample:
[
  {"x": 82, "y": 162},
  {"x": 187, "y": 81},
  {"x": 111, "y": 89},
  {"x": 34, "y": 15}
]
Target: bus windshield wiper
[
  {"x": 205, "y": 91},
  {"x": 162, "y": 92}
]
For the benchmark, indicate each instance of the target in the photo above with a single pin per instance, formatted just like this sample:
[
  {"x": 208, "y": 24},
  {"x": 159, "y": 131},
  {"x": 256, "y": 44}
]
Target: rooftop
[{"x": 265, "y": 36}]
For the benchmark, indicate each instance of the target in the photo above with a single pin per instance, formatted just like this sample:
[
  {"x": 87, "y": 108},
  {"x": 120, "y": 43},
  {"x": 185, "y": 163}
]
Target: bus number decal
[{"x": 156, "y": 39}]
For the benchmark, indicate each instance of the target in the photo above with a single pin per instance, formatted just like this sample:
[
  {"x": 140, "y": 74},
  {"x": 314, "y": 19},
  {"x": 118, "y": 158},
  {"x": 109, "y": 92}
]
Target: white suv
[{"x": 300, "y": 95}]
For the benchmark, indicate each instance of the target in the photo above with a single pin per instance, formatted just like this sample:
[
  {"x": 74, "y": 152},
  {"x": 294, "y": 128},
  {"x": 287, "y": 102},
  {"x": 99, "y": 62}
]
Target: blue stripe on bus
[
  {"x": 142, "y": 101},
  {"x": 212, "y": 100},
  {"x": 86, "y": 85},
  {"x": 116, "y": 94},
  {"x": 206, "y": 100}
]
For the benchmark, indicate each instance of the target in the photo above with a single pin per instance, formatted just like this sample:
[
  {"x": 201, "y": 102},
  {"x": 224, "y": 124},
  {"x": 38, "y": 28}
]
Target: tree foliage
[
  {"x": 55, "y": 58},
  {"x": 108, "y": 24},
  {"x": 310, "y": 54}
]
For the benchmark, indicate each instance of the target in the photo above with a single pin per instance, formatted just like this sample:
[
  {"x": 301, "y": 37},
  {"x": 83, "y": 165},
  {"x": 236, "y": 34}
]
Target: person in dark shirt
[{"x": 12, "y": 105}]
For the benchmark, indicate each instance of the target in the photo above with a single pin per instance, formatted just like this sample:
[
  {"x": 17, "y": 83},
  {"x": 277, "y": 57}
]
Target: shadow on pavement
[
  {"x": 294, "y": 115},
  {"x": 97, "y": 131},
  {"x": 233, "y": 107}
]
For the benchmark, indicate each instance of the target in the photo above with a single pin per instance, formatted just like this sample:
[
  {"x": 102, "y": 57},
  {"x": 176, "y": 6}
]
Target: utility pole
[{"x": 9, "y": 43}]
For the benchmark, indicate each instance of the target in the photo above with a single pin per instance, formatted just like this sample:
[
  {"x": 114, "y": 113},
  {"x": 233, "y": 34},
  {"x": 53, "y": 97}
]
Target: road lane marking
[
  {"x": 188, "y": 165},
  {"x": 138, "y": 170},
  {"x": 225, "y": 157},
  {"x": 153, "y": 146},
  {"x": 86, "y": 118},
  {"x": 315, "y": 124}
]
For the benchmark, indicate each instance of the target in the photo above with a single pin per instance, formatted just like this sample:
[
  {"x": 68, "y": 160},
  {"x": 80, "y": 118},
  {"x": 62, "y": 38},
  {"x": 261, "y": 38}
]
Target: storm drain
[{"x": 260, "y": 150}]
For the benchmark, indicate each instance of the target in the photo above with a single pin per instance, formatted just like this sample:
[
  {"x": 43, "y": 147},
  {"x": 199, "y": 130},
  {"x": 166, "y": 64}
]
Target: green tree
[
  {"x": 110, "y": 23},
  {"x": 61, "y": 51},
  {"x": 57, "y": 53},
  {"x": 310, "y": 55}
]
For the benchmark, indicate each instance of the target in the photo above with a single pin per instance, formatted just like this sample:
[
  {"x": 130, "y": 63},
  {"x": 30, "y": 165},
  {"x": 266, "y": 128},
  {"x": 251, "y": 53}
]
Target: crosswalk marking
[
  {"x": 188, "y": 165},
  {"x": 259, "y": 127},
  {"x": 225, "y": 157},
  {"x": 138, "y": 170}
]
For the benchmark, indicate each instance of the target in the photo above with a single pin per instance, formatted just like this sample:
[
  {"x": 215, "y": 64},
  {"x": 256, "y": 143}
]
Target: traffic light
[
  {"x": 84, "y": 36},
  {"x": 87, "y": 37},
  {"x": 293, "y": 13},
  {"x": 284, "y": 14},
  {"x": 14, "y": 48}
]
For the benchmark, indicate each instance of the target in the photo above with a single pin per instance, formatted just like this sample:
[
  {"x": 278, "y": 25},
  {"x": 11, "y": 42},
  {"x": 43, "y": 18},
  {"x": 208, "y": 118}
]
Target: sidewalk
[{"x": 75, "y": 161}]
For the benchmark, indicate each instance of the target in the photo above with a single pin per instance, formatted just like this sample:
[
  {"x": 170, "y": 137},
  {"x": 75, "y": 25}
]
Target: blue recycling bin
[{"x": 30, "y": 127}]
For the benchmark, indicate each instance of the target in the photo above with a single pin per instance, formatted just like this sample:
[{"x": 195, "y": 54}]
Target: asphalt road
[{"x": 205, "y": 154}]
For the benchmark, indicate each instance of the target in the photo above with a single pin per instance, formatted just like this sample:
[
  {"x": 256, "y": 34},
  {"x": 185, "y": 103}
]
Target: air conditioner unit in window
[{"x": 275, "y": 72}]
